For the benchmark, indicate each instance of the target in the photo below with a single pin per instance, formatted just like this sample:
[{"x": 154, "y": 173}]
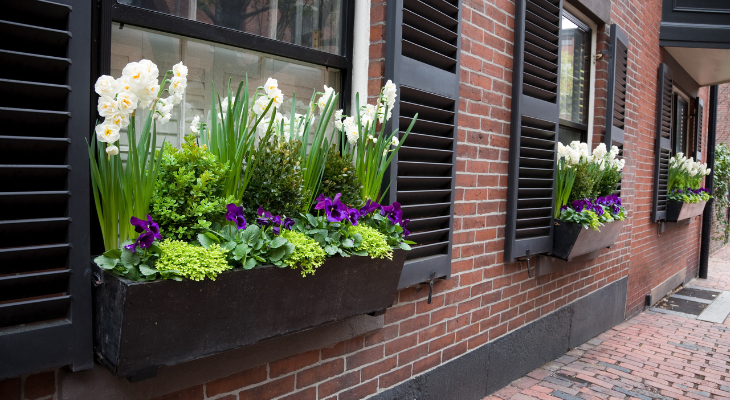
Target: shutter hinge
[{"x": 430, "y": 286}]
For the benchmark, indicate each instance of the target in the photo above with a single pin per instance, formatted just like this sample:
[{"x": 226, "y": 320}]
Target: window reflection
[
  {"x": 311, "y": 23},
  {"x": 212, "y": 63},
  {"x": 575, "y": 42}
]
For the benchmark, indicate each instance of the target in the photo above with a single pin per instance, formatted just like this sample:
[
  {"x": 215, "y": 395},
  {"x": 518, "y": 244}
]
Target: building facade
[{"x": 480, "y": 302}]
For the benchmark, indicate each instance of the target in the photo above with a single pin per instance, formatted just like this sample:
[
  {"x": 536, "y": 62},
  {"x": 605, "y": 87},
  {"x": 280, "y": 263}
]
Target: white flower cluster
[
  {"x": 195, "y": 126},
  {"x": 137, "y": 87},
  {"x": 272, "y": 94},
  {"x": 693, "y": 169},
  {"x": 577, "y": 153},
  {"x": 368, "y": 114}
]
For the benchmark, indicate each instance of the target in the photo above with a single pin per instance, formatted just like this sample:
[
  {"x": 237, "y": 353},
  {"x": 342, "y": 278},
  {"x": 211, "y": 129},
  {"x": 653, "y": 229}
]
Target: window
[
  {"x": 576, "y": 42},
  {"x": 213, "y": 63}
]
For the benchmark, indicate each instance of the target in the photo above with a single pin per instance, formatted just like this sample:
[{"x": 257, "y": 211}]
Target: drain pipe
[{"x": 707, "y": 215}]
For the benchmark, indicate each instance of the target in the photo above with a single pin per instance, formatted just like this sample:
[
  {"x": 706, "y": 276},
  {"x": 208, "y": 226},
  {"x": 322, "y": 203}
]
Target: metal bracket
[
  {"x": 430, "y": 286},
  {"x": 96, "y": 279}
]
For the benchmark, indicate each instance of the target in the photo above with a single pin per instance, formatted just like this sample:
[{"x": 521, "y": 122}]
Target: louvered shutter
[
  {"x": 423, "y": 60},
  {"x": 534, "y": 128},
  {"x": 45, "y": 303},
  {"x": 700, "y": 113},
  {"x": 663, "y": 146}
]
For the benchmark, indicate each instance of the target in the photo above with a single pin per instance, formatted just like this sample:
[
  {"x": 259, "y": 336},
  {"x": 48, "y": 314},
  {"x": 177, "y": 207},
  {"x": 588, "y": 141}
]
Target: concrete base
[
  {"x": 495, "y": 364},
  {"x": 667, "y": 286}
]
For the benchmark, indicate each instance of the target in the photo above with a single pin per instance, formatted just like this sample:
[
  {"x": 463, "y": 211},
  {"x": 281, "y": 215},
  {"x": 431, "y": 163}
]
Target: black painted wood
[
  {"x": 695, "y": 23},
  {"x": 699, "y": 126},
  {"x": 618, "y": 68},
  {"x": 534, "y": 128},
  {"x": 141, "y": 326},
  {"x": 571, "y": 240},
  {"x": 679, "y": 210},
  {"x": 45, "y": 84},
  {"x": 422, "y": 49},
  {"x": 663, "y": 143}
]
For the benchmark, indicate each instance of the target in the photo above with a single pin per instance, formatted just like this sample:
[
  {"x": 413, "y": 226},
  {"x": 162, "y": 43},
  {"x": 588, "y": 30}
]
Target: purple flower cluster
[
  {"x": 266, "y": 218},
  {"x": 148, "y": 230},
  {"x": 691, "y": 191},
  {"x": 336, "y": 211},
  {"x": 612, "y": 202},
  {"x": 235, "y": 214}
]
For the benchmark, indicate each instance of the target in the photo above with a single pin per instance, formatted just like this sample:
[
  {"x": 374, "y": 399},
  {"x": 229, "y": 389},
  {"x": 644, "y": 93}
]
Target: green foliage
[
  {"x": 687, "y": 196},
  {"x": 189, "y": 192},
  {"x": 340, "y": 177},
  {"x": 277, "y": 183},
  {"x": 373, "y": 242},
  {"x": 250, "y": 247},
  {"x": 191, "y": 261},
  {"x": 584, "y": 187},
  {"x": 333, "y": 237},
  {"x": 307, "y": 254},
  {"x": 721, "y": 191},
  {"x": 137, "y": 266},
  {"x": 589, "y": 219},
  {"x": 608, "y": 183},
  {"x": 393, "y": 234}
]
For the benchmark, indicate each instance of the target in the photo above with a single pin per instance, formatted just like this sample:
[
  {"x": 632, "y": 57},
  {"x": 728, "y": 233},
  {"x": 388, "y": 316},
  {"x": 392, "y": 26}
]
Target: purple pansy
[
  {"x": 149, "y": 231},
  {"x": 334, "y": 209},
  {"x": 353, "y": 215},
  {"x": 369, "y": 207},
  {"x": 404, "y": 225},
  {"x": 235, "y": 214},
  {"x": 393, "y": 212}
]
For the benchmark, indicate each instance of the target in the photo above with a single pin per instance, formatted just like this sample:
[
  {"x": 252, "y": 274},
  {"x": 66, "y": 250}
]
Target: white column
[{"x": 360, "y": 53}]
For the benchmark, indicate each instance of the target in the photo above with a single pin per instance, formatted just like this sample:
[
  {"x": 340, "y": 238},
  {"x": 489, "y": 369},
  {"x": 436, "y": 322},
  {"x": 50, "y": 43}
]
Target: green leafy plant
[
  {"x": 333, "y": 237},
  {"x": 721, "y": 190},
  {"x": 135, "y": 266},
  {"x": 307, "y": 254},
  {"x": 189, "y": 194},
  {"x": 190, "y": 261},
  {"x": 340, "y": 177},
  {"x": 277, "y": 184},
  {"x": 249, "y": 247},
  {"x": 373, "y": 242}
]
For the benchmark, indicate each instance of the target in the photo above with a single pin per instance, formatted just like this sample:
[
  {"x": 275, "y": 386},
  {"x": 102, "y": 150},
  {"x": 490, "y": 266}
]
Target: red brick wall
[
  {"x": 485, "y": 297},
  {"x": 39, "y": 386}
]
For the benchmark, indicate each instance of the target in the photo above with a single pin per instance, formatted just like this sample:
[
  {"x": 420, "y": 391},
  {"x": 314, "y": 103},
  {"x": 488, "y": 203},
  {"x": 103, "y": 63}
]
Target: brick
[
  {"x": 427, "y": 363},
  {"x": 236, "y": 381},
  {"x": 269, "y": 390},
  {"x": 338, "y": 384},
  {"x": 342, "y": 348},
  {"x": 192, "y": 393},
  {"x": 320, "y": 372},
  {"x": 10, "y": 389},
  {"x": 293, "y": 363},
  {"x": 306, "y": 394},
  {"x": 379, "y": 368},
  {"x": 381, "y": 335},
  {"x": 395, "y": 377},
  {"x": 366, "y": 356},
  {"x": 40, "y": 385},
  {"x": 361, "y": 391},
  {"x": 400, "y": 344}
]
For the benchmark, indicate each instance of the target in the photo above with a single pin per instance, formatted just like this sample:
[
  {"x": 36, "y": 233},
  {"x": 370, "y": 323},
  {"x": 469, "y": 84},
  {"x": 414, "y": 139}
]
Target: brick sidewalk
[{"x": 651, "y": 356}]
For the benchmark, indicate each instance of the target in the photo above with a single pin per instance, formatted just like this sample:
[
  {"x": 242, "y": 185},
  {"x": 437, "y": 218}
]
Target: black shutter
[
  {"x": 45, "y": 302},
  {"x": 534, "y": 128},
  {"x": 618, "y": 60},
  {"x": 423, "y": 60},
  {"x": 663, "y": 146},
  {"x": 700, "y": 113}
]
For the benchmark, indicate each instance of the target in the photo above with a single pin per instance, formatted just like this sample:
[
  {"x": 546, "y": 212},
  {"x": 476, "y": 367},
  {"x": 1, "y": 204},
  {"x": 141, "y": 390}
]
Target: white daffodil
[
  {"x": 271, "y": 86},
  {"x": 106, "y": 86},
  {"x": 112, "y": 150},
  {"x": 179, "y": 70},
  {"x": 107, "y": 132},
  {"x": 178, "y": 85},
  {"x": 195, "y": 125},
  {"x": 278, "y": 99},
  {"x": 136, "y": 76},
  {"x": 328, "y": 93},
  {"x": 148, "y": 93},
  {"x": 394, "y": 142},
  {"x": 123, "y": 85},
  {"x": 121, "y": 120},
  {"x": 260, "y": 105},
  {"x": 600, "y": 151},
  {"x": 352, "y": 134},
  {"x": 126, "y": 102},
  {"x": 107, "y": 106}
]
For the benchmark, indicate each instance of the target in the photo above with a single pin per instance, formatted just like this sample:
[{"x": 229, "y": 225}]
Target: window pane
[
  {"x": 311, "y": 23},
  {"x": 211, "y": 63},
  {"x": 575, "y": 42},
  {"x": 680, "y": 124},
  {"x": 567, "y": 135}
]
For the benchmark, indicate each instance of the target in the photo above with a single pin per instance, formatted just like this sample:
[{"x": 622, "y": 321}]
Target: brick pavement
[{"x": 651, "y": 356}]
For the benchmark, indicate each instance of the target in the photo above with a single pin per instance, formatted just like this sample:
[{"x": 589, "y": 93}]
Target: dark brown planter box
[
  {"x": 679, "y": 210},
  {"x": 571, "y": 240},
  {"x": 141, "y": 326}
]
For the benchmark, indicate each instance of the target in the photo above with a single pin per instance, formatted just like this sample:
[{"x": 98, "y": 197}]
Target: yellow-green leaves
[
  {"x": 373, "y": 242},
  {"x": 307, "y": 255},
  {"x": 191, "y": 261}
]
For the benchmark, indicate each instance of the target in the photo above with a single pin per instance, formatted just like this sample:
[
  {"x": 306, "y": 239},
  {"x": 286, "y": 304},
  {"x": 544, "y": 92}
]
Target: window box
[
  {"x": 141, "y": 326},
  {"x": 571, "y": 240},
  {"x": 679, "y": 210}
]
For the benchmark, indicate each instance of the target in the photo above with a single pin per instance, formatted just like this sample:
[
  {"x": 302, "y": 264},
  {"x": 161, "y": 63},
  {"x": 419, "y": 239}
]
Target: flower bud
[{"x": 112, "y": 150}]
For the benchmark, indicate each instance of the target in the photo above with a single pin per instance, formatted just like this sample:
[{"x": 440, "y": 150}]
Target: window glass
[
  {"x": 575, "y": 43},
  {"x": 680, "y": 124},
  {"x": 567, "y": 135},
  {"x": 208, "y": 62},
  {"x": 311, "y": 23}
]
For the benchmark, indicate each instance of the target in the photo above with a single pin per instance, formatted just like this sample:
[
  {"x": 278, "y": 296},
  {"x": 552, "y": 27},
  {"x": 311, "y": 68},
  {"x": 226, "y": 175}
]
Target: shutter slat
[
  {"x": 416, "y": 36},
  {"x": 433, "y": 249},
  {"x": 23, "y": 150},
  {"x": 429, "y": 141},
  {"x": 407, "y": 153},
  {"x": 27, "y": 312},
  {"x": 427, "y": 127},
  {"x": 25, "y": 178},
  {"x": 33, "y": 258},
  {"x": 414, "y": 168},
  {"x": 699, "y": 126},
  {"x": 444, "y": 6},
  {"x": 32, "y": 285},
  {"x": 409, "y": 109},
  {"x": 26, "y": 205},
  {"x": 427, "y": 26},
  {"x": 663, "y": 145},
  {"x": 33, "y": 95},
  {"x": 427, "y": 55},
  {"x": 33, "y": 39},
  {"x": 33, "y": 67},
  {"x": 431, "y": 13}
]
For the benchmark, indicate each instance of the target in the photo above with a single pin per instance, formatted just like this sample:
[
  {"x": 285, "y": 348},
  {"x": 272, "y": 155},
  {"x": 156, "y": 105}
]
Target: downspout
[{"x": 707, "y": 215}]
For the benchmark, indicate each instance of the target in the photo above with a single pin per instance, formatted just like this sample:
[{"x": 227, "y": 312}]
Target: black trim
[
  {"x": 199, "y": 30},
  {"x": 663, "y": 143},
  {"x": 573, "y": 125},
  {"x": 494, "y": 365}
]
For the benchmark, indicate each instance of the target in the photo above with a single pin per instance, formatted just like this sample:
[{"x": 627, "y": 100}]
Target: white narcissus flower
[
  {"x": 126, "y": 102},
  {"x": 179, "y": 70},
  {"x": 600, "y": 151},
  {"x": 271, "y": 86},
  {"x": 112, "y": 150},
  {"x": 121, "y": 120},
  {"x": 147, "y": 94},
  {"x": 394, "y": 141},
  {"x": 278, "y": 99},
  {"x": 195, "y": 125},
  {"x": 136, "y": 76},
  {"x": 322, "y": 102},
  {"x": 107, "y": 132},
  {"x": 260, "y": 105},
  {"x": 338, "y": 120},
  {"x": 123, "y": 85},
  {"x": 106, "y": 86},
  {"x": 178, "y": 85},
  {"x": 150, "y": 69},
  {"x": 107, "y": 106}
]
